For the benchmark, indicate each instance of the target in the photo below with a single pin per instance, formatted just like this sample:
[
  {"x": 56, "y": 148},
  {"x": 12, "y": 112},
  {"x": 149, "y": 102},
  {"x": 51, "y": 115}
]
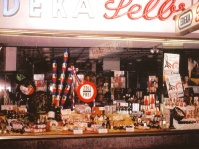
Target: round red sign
[{"x": 87, "y": 91}]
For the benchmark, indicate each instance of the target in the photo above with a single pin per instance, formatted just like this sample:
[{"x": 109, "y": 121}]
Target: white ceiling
[
  {"x": 133, "y": 45},
  {"x": 97, "y": 39}
]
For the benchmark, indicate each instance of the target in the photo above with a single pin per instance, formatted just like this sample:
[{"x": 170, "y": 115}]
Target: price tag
[
  {"x": 124, "y": 104},
  {"x": 65, "y": 111},
  {"x": 130, "y": 129},
  {"x": 102, "y": 130},
  {"x": 7, "y": 107},
  {"x": 77, "y": 131},
  {"x": 101, "y": 108},
  {"x": 22, "y": 109},
  {"x": 145, "y": 125}
]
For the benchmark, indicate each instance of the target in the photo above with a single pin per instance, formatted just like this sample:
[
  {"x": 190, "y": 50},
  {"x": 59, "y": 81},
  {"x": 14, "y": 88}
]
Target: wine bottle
[
  {"x": 51, "y": 113},
  {"x": 57, "y": 114},
  {"x": 108, "y": 125}
]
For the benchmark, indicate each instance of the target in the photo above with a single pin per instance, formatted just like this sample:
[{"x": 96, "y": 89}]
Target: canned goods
[
  {"x": 60, "y": 87},
  {"x": 54, "y": 77},
  {"x": 66, "y": 55},
  {"x": 54, "y": 66},
  {"x": 64, "y": 67},
  {"x": 62, "y": 77}
]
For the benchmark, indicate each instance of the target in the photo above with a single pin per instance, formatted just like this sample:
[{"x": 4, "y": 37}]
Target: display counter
[
  {"x": 126, "y": 131},
  {"x": 153, "y": 138}
]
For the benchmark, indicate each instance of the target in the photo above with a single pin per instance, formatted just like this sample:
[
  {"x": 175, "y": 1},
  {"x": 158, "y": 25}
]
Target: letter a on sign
[{"x": 83, "y": 7}]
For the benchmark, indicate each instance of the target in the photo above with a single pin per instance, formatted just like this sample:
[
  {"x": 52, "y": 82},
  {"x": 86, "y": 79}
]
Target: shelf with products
[
  {"x": 120, "y": 116},
  {"x": 17, "y": 122}
]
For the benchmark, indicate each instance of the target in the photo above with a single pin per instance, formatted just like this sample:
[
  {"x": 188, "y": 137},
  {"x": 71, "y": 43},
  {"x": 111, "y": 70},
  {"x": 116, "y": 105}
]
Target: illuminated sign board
[
  {"x": 92, "y": 15},
  {"x": 188, "y": 20}
]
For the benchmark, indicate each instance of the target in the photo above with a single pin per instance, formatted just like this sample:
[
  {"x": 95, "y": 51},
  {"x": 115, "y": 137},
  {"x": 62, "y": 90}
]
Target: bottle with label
[
  {"x": 129, "y": 108},
  {"x": 51, "y": 113},
  {"x": 152, "y": 98},
  {"x": 108, "y": 125},
  {"x": 38, "y": 123},
  {"x": 118, "y": 108},
  {"x": 58, "y": 114}
]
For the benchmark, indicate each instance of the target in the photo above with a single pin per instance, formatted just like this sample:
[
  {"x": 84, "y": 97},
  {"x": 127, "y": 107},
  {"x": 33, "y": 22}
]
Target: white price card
[
  {"x": 7, "y": 107},
  {"x": 102, "y": 130},
  {"x": 77, "y": 131},
  {"x": 101, "y": 108},
  {"x": 130, "y": 129},
  {"x": 124, "y": 104}
]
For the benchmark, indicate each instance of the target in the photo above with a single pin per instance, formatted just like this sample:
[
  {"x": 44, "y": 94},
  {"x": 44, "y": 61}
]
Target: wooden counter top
[{"x": 89, "y": 134}]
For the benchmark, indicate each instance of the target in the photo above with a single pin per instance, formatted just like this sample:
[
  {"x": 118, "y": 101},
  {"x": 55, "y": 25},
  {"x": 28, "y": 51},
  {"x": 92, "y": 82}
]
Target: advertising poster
[
  {"x": 174, "y": 86},
  {"x": 193, "y": 67},
  {"x": 192, "y": 79},
  {"x": 171, "y": 64},
  {"x": 118, "y": 81}
]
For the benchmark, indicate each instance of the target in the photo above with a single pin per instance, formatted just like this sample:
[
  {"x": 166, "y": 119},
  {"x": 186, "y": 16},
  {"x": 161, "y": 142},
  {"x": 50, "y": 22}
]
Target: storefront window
[{"x": 67, "y": 89}]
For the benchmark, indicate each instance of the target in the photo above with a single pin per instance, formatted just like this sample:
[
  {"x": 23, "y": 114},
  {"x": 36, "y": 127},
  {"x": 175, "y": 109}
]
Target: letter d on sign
[{"x": 11, "y": 12}]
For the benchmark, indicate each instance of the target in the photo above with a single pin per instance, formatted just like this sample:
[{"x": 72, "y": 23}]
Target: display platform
[{"x": 138, "y": 139}]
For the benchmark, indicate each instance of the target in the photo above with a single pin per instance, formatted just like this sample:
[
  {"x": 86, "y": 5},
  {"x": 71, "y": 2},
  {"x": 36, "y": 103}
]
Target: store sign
[
  {"x": 35, "y": 8},
  {"x": 92, "y": 15},
  {"x": 188, "y": 20},
  {"x": 87, "y": 91},
  {"x": 131, "y": 9}
]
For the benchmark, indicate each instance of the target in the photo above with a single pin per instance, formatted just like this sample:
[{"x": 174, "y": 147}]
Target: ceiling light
[
  {"x": 152, "y": 50},
  {"x": 155, "y": 50},
  {"x": 138, "y": 59}
]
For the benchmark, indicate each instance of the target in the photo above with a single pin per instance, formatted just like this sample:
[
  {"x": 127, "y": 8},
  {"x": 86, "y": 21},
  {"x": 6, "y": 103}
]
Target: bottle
[
  {"x": 51, "y": 113},
  {"x": 129, "y": 108},
  {"x": 152, "y": 99},
  {"x": 43, "y": 123},
  {"x": 164, "y": 123},
  {"x": 118, "y": 108},
  {"x": 103, "y": 125},
  {"x": 38, "y": 123},
  {"x": 108, "y": 125},
  {"x": 58, "y": 114}
]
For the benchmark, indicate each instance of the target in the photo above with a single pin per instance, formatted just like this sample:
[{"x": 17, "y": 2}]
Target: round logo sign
[{"x": 87, "y": 91}]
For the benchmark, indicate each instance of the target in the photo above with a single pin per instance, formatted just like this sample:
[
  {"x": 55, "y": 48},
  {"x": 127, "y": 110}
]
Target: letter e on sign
[{"x": 87, "y": 91}]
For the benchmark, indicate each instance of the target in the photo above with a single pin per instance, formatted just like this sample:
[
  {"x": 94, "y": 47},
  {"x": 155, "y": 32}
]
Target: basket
[{"x": 178, "y": 114}]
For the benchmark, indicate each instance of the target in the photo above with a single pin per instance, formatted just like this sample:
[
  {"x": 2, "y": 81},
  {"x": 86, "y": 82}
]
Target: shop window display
[{"x": 115, "y": 108}]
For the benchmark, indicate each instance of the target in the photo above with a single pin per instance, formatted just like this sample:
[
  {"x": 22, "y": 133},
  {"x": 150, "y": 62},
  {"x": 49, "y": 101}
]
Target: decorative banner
[
  {"x": 87, "y": 91},
  {"x": 57, "y": 91},
  {"x": 95, "y": 53},
  {"x": 171, "y": 64},
  {"x": 174, "y": 86}
]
